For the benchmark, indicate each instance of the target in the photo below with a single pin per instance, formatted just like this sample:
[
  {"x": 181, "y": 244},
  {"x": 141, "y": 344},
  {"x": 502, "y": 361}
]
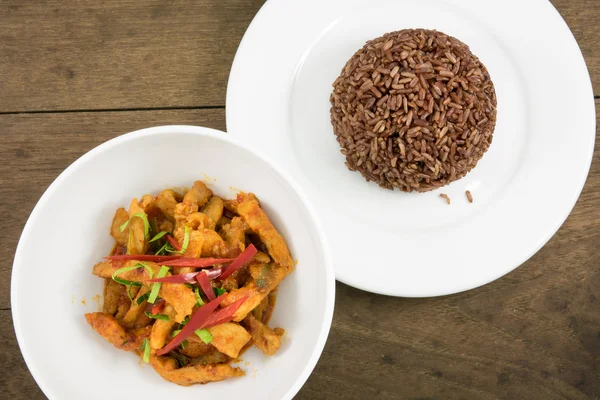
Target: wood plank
[
  {"x": 532, "y": 334},
  {"x": 118, "y": 53},
  {"x": 16, "y": 382},
  {"x": 582, "y": 17},
  {"x": 130, "y": 54},
  {"x": 36, "y": 148}
]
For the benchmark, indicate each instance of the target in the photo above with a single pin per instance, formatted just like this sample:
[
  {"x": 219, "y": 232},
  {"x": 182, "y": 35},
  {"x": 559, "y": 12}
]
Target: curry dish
[{"x": 191, "y": 283}]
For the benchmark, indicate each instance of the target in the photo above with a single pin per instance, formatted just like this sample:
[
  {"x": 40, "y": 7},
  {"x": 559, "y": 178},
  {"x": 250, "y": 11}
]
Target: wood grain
[
  {"x": 533, "y": 334},
  {"x": 129, "y": 54},
  {"x": 57, "y": 55}
]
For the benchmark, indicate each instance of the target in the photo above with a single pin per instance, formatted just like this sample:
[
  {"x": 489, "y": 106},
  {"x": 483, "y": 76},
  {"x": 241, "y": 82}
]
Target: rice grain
[{"x": 469, "y": 196}]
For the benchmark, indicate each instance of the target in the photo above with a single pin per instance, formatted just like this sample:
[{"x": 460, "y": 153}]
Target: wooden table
[{"x": 75, "y": 74}]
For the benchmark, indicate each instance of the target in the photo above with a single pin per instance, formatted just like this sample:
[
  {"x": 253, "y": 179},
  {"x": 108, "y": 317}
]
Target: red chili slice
[
  {"x": 141, "y": 257},
  {"x": 225, "y": 314},
  {"x": 204, "y": 283},
  {"x": 173, "y": 242},
  {"x": 239, "y": 261},
  {"x": 197, "y": 320},
  {"x": 158, "y": 307},
  {"x": 196, "y": 262}
]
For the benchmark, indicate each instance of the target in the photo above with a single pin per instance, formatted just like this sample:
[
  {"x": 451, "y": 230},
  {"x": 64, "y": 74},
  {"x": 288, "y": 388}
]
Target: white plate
[
  {"x": 68, "y": 232},
  {"x": 413, "y": 244}
]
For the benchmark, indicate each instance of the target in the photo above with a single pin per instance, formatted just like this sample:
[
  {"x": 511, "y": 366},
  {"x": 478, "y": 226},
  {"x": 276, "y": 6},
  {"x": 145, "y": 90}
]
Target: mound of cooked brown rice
[{"x": 413, "y": 110}]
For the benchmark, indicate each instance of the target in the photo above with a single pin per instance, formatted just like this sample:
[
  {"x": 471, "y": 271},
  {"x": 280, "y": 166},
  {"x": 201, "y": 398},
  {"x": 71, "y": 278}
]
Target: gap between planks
[{"x": 113, "y": 110}]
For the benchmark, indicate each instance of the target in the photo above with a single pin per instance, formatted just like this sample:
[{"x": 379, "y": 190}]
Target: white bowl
[{"x": 68, "y": 231}]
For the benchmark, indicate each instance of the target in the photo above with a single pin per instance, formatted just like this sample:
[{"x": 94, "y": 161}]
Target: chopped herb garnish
[
  {"x": 184, "y": 245},
  {"x": 146, "y": 349},
  {"x": 158, "y": 236},
  {"x": 183, "y": 344},
  {"x": 198, "y": 298},
  {"x": 162, "y": 317},
  {"x": 219, "y": 291},
  {"x": 156, "y": 286},
  {"x": 129, "y": 291},
  {"x": 205, "y": 335},
  {"x": 142, "y": 298},
  {"x": 130, "y": 284},
  {"x": 165, "y": 248},
  {"x": 174, "y": 333},
  {"x": 130, "y": 268},
  {"x": 144, "y": 218},
  {"x": 124, "y": 225},
  {"x": 186, "y": 240}
]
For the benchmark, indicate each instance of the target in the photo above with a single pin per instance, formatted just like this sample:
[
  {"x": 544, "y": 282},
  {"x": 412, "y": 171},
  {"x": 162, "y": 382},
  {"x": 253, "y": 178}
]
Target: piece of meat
[
  {"x": 132, "y": 316},
  {"x": 197, "y": 373},
  {"x": 214, "y": 245},
  {"x": 110, "y": 329},
  {"x": 138, "y": 242},
  {"x": 261, "y": 258},
  {"x": 263, "y": 279},
  {"x": 230, "y": 283},
  {"x": 166, "y": 201},
  {"x": 161, "y": 331},
  {"x": 197, "y": 221},
  {"x": 229, "y": 338},
  {"x": 113, "y": 292},
  {"x": 231, "y": 207},
  {"x": 265, "y": 338},
  {"x": 121, "y": 216},
  {"x": 234, "y": 234},
  {"x": 195, "y": 198},
  {"x": 196, "y": 348},
  {"x": 213, "y": 210},
  {"x": 166, "y": 226},
  {"x": 199, "y": 194},
  {"x": 223, "y": 221},
  {"x": 250, "y": 210},
  {"x": 149, "y": 205},
  {"x": 260, "y": 310},
  {"x": 195, "y": 245},
  {"x": 212, "y": 357}
]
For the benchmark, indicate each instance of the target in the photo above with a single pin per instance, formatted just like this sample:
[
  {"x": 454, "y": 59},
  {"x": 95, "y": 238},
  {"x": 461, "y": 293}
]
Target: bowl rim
[{"x": 165, "y": 130}]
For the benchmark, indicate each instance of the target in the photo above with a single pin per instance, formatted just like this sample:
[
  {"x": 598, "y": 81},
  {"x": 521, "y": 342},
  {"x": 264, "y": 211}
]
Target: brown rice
[
  {"x": 413, "y": 110},
  {"x": 469, "y": 196}
]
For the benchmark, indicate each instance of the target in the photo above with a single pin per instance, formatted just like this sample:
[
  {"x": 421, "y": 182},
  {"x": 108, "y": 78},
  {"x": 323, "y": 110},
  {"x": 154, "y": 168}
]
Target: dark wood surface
[{"x": 75, "y": 74}]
